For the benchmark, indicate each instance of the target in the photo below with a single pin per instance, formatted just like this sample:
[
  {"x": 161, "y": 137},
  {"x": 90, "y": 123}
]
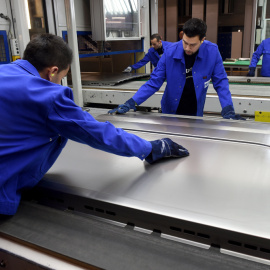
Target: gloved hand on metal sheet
[
  {"x": 128, "y": 69},
  {"x": 229, "y": 113},
  {"x": 123, "y": 108},
  {"x": 165, "y": 148},
  {"x": 251, "y": 72}
]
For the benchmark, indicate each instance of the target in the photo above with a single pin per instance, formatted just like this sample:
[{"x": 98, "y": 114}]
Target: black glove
[
  {"x": 251, "y": 72},
  {"x": 165, "y": 148},
  {"x": 123, "y": 108},
  {"x": 229, "y": 113}
]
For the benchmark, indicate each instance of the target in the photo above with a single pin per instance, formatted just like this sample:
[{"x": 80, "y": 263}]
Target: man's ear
[
  {"x": 202, "y": 40},
  {"x": 48, "y": 73},
  {"x": 52, "y": 72}
]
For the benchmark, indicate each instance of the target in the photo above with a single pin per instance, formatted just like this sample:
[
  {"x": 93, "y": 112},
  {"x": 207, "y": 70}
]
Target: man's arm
[
  {"x": 139, "y": 64},
  {"x": 68, "y": 120},
  {"x": 255, "y": 59},
  {"x": 256, "y": 55},
  {"x": 142, "y": 62},
  {"x": 157, "y": 78},
  {"x": 221, "y": 85}
]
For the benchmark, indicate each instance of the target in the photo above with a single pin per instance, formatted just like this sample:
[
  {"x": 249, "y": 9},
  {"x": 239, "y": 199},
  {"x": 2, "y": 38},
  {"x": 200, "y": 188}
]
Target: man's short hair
[
  {"x": 195, "y": 27},
  {"x": 47, "y": 50},
  {"x": 157, "y": 36}
]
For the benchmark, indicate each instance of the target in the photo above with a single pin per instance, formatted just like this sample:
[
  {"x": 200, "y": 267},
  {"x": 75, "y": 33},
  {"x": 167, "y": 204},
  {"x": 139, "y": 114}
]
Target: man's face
[
  {"x": 58, "y": 76},
  {"x": 191, "y": 44},
  {"x": 156, "y": 44}
]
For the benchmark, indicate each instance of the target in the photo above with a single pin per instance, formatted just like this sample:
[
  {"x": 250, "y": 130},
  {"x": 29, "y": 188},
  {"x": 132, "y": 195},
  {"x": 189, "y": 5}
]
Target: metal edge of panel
[
  {"x": 65, "y": 198},
  {"x": 40, "y": 227},
  {"x": 249, "y": 132}
]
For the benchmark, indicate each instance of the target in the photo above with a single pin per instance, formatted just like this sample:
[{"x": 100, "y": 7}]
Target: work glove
[
  {"x": 128, "y": 69},
  {"x": 228, "y": 113},
  {"x": 251, "y": 72},
  {"x": 165, "y": 148},
  {"x": 123, "y": 108}
]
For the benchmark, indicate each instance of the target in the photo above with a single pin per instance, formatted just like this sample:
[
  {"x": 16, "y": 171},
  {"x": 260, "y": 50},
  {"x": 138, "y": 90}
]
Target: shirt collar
[{"x": 27, "y": 66}]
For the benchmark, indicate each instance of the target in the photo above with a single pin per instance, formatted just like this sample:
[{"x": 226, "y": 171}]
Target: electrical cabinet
[
  {"x": 115, "y": 19},
  {"x": 4, "y": 51}
]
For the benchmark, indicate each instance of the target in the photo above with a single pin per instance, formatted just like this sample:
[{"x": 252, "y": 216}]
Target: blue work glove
[
  {"x": 127, "y": 70},
  {"x": 229, "y": 113},
  {"x": 123, "y": 108},
  {"x": 165, "y": 148},
  {"x": 251, "y": 72}
]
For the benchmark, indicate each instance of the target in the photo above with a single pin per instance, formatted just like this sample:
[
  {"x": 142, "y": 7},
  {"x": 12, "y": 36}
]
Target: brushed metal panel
[{"x": 223, "y": 183}]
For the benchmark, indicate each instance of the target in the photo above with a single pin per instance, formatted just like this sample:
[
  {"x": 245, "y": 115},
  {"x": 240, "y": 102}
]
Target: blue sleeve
[
  {"x": 221, "y": 83},
  {"x": 142, "y": 62},
  {"x": 256, "y": 55},
  {"x": 70, "y": 121},
  {"x": 156, "y": 80}
]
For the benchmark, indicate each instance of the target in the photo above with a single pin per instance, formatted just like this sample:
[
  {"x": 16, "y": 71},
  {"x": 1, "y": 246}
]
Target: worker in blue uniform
[
  {"x": 263, "y": 49},
  {"x": 154, "y": 53},
  {"x": 188, "y": 66},
  {"x": 38, "y": 116}
]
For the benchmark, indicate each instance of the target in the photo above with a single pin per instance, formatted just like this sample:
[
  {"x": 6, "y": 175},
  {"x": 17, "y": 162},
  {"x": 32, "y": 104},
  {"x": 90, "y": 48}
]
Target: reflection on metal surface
[
  {"x": 218, "y": 195},
  {"x": 98, "y": 78},
  {"x": 184, "y": 241},
  {"x": 244, "y": 256},
  {"x": 212, "y": 128}
]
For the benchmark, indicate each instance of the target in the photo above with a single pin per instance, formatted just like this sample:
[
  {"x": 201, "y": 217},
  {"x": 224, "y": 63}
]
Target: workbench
[
  {"x": 249, "y": 94},
  {"x": 240, "y": 64}
]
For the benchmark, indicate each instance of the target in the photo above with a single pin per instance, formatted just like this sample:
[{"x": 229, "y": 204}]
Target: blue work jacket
[
  {"x": 171, "y": 67},
  {"x": 152, "y": 56},
  {"x": 263, "y": 49},
  {"x": 37, "y": 118}
]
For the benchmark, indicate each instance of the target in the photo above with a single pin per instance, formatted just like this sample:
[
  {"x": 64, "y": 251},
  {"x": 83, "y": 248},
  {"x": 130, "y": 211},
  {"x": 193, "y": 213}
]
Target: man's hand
[
  {"x": 123, "y": 108},
  {"x": 165, "y": 148},
  {"x": 229, "y": 113},
  {"x": 251, "y": 72},
  {"x": 127, "y": 70}
]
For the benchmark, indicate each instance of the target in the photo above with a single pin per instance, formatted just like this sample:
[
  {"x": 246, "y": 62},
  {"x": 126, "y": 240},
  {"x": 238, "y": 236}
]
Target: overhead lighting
[
  {"x": 134, "y": 5},
  {"x": 27, "y": 14},
  {"x": 124, "y": 6}
]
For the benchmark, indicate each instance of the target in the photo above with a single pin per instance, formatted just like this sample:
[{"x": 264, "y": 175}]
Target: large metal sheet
[
  {"x": 216, "y": 196},
  {"x": 223, "y": 183}
]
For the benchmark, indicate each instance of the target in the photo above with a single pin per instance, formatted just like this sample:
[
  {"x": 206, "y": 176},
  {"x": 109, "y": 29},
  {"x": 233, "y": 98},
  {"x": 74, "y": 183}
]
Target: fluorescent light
[
  {"x": 27, "y": 13},
  {"x": 134, "y": 6},
  {"x": 124, "y": 6}
]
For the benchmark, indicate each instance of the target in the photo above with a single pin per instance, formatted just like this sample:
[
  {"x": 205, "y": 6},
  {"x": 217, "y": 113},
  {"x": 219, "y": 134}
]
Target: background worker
[
  {"x": 38, "y": 116},
  {"x": 263, "y": 49},
  {"x": 154, "y": 53},
  {"x": 188, "y": 66},
  {"x": 181, "y": 33}
]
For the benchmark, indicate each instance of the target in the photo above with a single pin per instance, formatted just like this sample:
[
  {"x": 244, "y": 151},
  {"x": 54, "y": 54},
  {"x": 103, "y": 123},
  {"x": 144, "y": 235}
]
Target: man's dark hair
[
  {"x": 47, "y": 50},
  {"x": 195, "y": 27},
  {"x": 157, "y": 36}
]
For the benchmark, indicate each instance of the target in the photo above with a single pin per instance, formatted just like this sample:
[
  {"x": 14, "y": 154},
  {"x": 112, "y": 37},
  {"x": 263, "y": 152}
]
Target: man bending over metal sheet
[
  {"x": 188, "y": 66},
  {"x": 38, "y": 116},
  {"x": 158, "y": 47}
]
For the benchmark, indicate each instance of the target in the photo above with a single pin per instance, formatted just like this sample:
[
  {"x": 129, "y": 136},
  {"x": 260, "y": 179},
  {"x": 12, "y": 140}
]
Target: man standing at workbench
[
  {"x": 263, "y": 49},
  {"x": 188, "y": 66},
  {"x": 158, "y": 47}
]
